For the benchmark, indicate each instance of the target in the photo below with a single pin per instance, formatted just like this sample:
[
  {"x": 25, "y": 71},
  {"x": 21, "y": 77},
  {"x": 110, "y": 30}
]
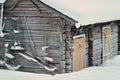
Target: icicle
[
  {"x": 50, "y": 69},
  {"x": 49, "y": 59},
  {"x": 12, "y": 67}
]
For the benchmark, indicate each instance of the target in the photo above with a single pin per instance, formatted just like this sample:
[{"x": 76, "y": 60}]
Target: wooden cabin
[
  {"x": 39, "y": 25},
  {"x": 40, "y": 31},
  {"x": 101, "y": 41}
]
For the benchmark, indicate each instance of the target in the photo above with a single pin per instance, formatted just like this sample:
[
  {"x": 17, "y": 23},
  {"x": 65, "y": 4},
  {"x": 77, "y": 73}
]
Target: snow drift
[{"x": 104, "y": 72}]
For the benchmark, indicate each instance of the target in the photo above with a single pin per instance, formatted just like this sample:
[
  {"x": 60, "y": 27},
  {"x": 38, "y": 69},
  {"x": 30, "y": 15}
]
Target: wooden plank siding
[
  {"x": 42, "y": 23},
  {"x": 95, "y": 49},
  {"x": 94, "y": 43}
]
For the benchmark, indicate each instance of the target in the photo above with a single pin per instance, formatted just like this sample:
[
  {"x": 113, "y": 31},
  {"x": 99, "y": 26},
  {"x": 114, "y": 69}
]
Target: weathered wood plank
[{"x": 97, "y": 62}]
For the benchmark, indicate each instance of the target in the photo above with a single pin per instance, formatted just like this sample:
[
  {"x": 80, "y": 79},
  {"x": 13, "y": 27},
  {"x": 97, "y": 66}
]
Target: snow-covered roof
[
  {"x": 53, "y": 9},
  {"x": 2, "y": 1},
  {"x": 88, "y": 11}
]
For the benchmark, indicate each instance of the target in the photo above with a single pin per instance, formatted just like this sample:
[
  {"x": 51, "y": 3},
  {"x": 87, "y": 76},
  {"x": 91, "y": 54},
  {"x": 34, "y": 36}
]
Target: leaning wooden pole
[{"x": 30, "y": 37}]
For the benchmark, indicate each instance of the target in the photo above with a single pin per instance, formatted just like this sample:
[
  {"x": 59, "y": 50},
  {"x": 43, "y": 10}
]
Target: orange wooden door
[
  {"x": 79, "y": 52},
  {"x": 106, "y": 43}
]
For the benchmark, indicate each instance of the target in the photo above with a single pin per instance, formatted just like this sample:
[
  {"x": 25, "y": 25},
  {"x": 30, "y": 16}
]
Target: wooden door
[
  {"x": 106, "y": 43},
  {"x": 79, "y": 51}
]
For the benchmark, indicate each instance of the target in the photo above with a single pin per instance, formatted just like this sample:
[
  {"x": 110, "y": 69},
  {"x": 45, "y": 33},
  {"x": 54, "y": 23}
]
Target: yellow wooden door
[
  {"x": 106, "y": 43},
  {"x": 79, "y": 51}
]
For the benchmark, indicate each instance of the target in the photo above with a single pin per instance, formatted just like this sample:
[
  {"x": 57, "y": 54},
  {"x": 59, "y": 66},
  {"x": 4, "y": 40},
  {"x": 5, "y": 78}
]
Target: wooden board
[
  {"x": 79, "y": 52},
  {"x": 106, "y": 42}
]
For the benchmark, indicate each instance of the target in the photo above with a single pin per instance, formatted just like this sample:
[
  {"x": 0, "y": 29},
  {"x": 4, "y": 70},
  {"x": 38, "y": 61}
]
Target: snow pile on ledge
[{"x": 105, "y": 72}]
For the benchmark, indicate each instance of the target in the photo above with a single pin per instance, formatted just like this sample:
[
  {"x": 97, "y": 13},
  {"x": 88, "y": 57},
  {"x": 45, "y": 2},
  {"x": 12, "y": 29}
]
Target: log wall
[
  {"x": 46, "y": 29},
  {"x": 96, "y": 45},
  {"x": 114, "y": 40}
]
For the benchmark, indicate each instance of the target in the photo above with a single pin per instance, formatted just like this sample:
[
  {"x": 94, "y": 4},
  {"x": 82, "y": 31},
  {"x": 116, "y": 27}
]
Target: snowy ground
[{"x": 110, "y": 70}]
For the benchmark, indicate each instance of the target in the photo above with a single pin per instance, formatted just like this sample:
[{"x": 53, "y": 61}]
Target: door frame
[
  {"x": 103, "y": 54},
  {"x": 79, "y": 36}
]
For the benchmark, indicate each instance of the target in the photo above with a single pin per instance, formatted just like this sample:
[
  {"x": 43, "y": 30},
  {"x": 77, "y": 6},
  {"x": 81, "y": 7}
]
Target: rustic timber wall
[
  {"x": 95, "y": 50},
  {"x": 46, "y": 29},
  {"x": 95, "y": 45},
  {"x": 94, "y": 41},
  {"x": 114, "y": 40}
]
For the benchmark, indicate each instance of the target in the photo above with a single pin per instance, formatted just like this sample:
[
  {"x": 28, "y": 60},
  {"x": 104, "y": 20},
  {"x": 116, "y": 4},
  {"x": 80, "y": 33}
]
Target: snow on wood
[
  {"x": 17, "y": 48},
  {"x": 16, "y": 31},
  {"x": 27, "y": 57},
  {"x": 44, "y": 48},
  {"x": 50, "y": 69},
  {"x": 9, "y": 55},
  {"x": 12, "y": 67},
  {"x": 6, "y": 45},
  {"x": 49, "y": 59}
]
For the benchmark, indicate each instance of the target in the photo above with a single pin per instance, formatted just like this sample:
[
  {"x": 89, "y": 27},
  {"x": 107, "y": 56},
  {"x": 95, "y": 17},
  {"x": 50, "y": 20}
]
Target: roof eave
[{"x": 71, "y": 20}]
